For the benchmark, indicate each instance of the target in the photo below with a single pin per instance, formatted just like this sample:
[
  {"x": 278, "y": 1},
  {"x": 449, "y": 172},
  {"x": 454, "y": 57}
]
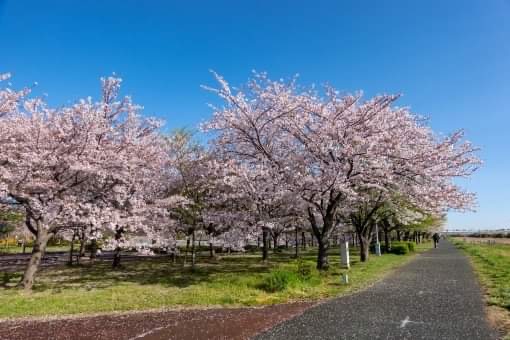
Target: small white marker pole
[
  {"x": 377, "y": 244},
  {"x": 345, "y": 278},
  {"x": 344, "y": 254}
]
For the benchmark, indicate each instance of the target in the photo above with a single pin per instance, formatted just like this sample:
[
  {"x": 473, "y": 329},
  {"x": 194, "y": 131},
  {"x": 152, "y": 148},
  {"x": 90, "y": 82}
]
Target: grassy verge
[
  {"x": 492, "y": 264},
  {"x": 235, "y": 280}
]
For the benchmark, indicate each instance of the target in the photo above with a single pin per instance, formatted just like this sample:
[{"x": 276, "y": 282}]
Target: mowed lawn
[
  {"x": 492, "y": 262},
  {"x": 232, "y": 281}
]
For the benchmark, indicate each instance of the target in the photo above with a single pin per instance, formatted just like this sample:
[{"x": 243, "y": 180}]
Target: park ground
[
  {"x": 432, "y": 295},
  {"x": 236, "y": 280},
  {"x": 491, "y": 262}
]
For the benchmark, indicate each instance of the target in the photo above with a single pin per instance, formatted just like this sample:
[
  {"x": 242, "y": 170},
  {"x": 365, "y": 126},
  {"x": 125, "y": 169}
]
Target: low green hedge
[
  {"x": 399, "y": 249},
  {"x": 402, "y": 248}
]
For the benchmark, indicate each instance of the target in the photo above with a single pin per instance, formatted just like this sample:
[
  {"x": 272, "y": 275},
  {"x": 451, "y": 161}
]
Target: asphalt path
[{"x": 436, "y": 296}]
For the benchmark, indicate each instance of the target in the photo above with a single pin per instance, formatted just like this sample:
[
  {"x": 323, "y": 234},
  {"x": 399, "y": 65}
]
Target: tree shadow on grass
[
  {"x": 161, "y": 271},
  {"x": 147, "y": 272}
]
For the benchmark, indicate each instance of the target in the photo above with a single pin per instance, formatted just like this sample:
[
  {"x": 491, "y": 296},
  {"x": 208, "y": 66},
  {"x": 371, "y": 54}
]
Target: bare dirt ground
[
  {"x": 239, "y": 323},
  {"x": 499, "y": 318}
]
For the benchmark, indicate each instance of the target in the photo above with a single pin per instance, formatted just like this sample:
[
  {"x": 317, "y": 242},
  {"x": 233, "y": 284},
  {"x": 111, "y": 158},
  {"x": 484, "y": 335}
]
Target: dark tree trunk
[
  {"x": 116, "y": 255},
  {"x": 322, "y": 235},
  {"x": 193, "y": 253},
  {"x": 364, "y": 247},
  {"x": 303, "y": 240},
  {"x": 39, "y": 248},
  {"x": 296, "y": 242},
  {"x": 275, "y": 242},
  {"x": 82, "y": 247},
  {"x": 322, "y": 257},
  {"x": 212, "y": 252},
  {"x": 116, "y": 258},
  {"x": 399, "y": 238},
  {"x": 265, "y": 243},
  {"x": 364, "y": 230},
  {"x": 387, "y": 240},
  {"x": 93, "y": 251},
  {"x": 71, "y": 250},
  {"x": 186, "y": 251}
]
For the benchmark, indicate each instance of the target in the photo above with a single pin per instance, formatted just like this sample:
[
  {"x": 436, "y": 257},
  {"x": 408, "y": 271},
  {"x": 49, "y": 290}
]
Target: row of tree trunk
[{"x": 362, "y": 239}]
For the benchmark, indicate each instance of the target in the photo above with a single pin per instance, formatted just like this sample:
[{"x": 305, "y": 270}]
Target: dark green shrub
[
  {"x": 54, "y": 241},
  {"x": 304, "y": 270},
  {"x": 278, "y": 280},
  {"x": 251, "y": 248},
  {"x": 88, "y": 246},
  {"x": 411, "y": 246},
  {"x": 399, "y": 249},
  {"x": 6, "y": 279}
]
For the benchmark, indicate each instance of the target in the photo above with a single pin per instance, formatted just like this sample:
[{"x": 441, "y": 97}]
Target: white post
[
  {"x": 344, "y": 254},
  {"x": 377, "y": 244}
]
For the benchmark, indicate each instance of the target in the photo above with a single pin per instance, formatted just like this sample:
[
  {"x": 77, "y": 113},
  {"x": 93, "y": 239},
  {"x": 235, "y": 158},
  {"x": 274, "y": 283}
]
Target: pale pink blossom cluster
[
  {"x": 340, "y": 156},
  {"x": 281, "y": 157},
  {"x": 93, "y": 164}
]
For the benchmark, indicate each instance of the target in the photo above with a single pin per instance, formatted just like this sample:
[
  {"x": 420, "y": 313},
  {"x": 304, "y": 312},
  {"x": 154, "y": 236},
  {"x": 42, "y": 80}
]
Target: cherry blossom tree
[
  {"x": 338, "y": 153},
  {"x": 200, "y": 195},
  {"x": 52, "y": 161}
]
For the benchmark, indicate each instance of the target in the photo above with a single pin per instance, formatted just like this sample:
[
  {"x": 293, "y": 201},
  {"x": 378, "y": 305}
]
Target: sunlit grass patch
[{"x": 492, "y": 262}]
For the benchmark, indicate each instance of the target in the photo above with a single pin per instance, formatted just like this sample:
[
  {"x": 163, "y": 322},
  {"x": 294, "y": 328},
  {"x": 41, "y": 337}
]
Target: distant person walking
[{"x": 436, "y": 238}]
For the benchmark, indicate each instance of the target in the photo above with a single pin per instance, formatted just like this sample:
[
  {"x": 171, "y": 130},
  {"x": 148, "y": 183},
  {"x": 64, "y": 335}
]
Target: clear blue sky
[{"x": 450, "y": 59}]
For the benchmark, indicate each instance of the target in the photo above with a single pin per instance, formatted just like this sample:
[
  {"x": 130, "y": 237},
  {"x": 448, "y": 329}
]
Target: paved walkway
[{"x": 434, "y": 297}]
